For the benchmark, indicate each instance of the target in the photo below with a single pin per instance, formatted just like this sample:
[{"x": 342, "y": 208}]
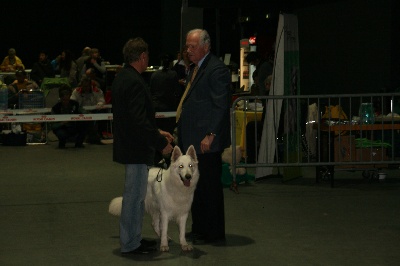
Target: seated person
[
  {"x": 68, "y": 129},
  {"x": 11, "y": 62},
  {"x": 21, "y": 83},
  {"x": 42, "y": 69},
  {"x": 95, "y": 68},
  {"x": 81, "y": 60},
  {"x": 88, "y": 94},
  {"x": 65, "y": 66}
]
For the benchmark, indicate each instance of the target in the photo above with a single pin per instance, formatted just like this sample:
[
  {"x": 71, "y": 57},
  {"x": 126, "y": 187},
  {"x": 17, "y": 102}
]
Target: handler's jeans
[{"x": 133, "y": 206}]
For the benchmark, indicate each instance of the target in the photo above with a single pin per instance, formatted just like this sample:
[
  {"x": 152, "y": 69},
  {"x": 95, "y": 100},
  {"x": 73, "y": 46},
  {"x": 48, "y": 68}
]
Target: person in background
[
  {"x": 68, "y": 129},
  {"x": 65, "y": 66},
  {"x": 253, "y": 139},
  {"x": 11, "y": 62},
  {"x": 178, "y": 58},
  {"x": 88, "y": 94},
  {"x": 81, "y": 61},
  {"x": 19, "y": 84},
  {"x": 255, "y": 89},
  {"x": 264, "y": 69},
  {"x": 166, "y": 93},
  {"x": 136, "y": 138},
  {"x": 95, "y": 68},
  {"x": 165, "y": 90},
  {"x": 204, "y": 121},
  {"x": 182, "y": 68},
  {"x": 42, "y": 69}
]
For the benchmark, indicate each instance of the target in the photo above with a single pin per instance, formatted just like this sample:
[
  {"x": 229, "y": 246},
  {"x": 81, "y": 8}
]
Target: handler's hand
[
  {"x": 167, "y": 150},
  {"x": 205, "y": 144},
  {"x": 167, "y": 135}
]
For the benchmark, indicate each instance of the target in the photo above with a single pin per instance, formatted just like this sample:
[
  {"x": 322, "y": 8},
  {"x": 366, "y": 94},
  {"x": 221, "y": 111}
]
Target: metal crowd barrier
[{"x": 311, "y": 130}]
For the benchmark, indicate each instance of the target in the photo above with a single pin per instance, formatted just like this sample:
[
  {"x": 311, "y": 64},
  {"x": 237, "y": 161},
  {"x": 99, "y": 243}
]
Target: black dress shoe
[
  {"x": 216, "y": 241},
  {"x": 203, "y": 240},
  {"x": 148, "y": 243},
  {"x": 142, "y": 249},
  {"x": 198, "y": 239}
]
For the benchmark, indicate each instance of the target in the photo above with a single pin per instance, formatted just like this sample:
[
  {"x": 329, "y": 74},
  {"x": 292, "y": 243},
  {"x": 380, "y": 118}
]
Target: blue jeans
[{"x": 133, "y": 206}]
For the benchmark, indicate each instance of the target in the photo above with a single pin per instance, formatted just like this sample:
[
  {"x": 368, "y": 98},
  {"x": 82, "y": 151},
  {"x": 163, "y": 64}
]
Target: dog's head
[{"x": 185, "y": 166}]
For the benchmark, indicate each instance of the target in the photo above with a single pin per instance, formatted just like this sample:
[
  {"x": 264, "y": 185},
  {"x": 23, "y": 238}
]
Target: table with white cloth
[{"x": 242, "y": 118}]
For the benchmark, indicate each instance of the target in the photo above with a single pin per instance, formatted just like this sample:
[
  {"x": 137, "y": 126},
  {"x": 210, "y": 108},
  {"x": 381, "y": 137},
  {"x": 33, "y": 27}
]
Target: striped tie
[{"x": 179, "y": 110}]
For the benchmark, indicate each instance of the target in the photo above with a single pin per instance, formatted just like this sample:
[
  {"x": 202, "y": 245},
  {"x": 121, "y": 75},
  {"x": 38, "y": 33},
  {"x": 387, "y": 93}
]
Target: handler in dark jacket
[{"x": 136, "y": 138}]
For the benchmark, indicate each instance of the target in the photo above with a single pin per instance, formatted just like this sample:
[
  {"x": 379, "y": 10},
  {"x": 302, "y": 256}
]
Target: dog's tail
[{"x": 115, "y": 206}]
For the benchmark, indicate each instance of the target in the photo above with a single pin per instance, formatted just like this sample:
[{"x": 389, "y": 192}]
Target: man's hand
[
  {"x": 167, "y": 135},
  {"x": 205, "y": 144},
  {"x": 167, "y": 150}
]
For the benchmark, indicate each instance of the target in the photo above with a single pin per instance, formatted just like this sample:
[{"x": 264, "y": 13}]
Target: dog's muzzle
[{"x": 186, "y": 180}]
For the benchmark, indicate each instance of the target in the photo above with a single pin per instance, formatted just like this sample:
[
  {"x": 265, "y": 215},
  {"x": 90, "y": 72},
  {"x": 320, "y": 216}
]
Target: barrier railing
[{"x": 325, "y": 131}]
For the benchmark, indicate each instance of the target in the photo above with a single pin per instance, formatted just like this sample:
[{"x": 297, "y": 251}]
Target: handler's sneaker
[
  {"x": 142, "y": 249},
  {"x": 148, "y": 243}
]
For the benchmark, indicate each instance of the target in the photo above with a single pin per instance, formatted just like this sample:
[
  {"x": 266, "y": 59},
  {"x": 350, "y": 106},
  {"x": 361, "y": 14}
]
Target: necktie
[{"x": 179, "y": 110}]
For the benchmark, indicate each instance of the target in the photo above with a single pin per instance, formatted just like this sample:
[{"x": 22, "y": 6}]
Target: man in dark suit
[
  {"x": 204, "y": 121},
  {"x": 136, "y": 137}
]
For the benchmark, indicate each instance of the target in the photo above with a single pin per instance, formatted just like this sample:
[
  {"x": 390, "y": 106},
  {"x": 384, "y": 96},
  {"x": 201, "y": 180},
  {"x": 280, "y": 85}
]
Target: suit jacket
[
  {"x": 206, "y": 106},
  {"x": 136, "y": 136}
]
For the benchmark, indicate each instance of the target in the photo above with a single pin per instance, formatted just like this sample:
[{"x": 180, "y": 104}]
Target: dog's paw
[
  {"x": 164, "y": 248},
  {"x": 187, "y": 247}
]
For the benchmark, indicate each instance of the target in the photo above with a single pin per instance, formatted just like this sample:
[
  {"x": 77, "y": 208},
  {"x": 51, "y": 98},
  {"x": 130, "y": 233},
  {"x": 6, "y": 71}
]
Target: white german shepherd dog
[{"x": 169, "y": 195}]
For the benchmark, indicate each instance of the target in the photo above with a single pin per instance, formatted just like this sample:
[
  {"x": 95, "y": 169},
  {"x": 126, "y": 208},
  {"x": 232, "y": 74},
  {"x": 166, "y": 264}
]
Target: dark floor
[{"x": 54, "y": 205}]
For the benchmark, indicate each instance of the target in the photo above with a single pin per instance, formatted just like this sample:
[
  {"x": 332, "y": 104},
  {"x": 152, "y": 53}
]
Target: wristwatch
[{"x": 210, "y": 134}]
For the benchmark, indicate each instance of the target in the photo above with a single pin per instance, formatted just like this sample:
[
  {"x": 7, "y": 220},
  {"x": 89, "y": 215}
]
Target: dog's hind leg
[{"x": 182, "y": 230}]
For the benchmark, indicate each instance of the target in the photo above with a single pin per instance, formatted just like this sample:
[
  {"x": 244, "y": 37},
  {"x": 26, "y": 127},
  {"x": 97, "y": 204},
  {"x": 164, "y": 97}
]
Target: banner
[
  {"x": 35, "y": 118},
  {"x": 285, "y": 81}
]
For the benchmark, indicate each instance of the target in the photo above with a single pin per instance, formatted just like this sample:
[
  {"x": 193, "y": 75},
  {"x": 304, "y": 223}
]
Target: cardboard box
[
  {"x": 345, "y": 149},
  {"x": 371, "y": 154}
]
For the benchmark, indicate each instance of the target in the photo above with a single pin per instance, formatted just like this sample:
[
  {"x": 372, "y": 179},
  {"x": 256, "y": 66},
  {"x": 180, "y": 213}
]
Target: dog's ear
[
  {"x": 192, "y": 153},
  {"x": 176, "y": 153}
]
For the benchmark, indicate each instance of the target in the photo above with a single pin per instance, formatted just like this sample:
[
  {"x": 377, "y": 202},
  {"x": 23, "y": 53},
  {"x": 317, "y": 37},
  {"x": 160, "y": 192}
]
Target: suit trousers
[{"x": 208, "y": 214}]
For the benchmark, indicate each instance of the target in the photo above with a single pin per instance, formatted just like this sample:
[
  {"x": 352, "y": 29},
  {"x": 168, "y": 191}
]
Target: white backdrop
[{"x": 286, "y": 44}]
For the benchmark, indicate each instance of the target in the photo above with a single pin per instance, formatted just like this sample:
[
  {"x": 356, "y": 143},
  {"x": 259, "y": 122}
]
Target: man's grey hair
[{"x": 203, "y": 36}]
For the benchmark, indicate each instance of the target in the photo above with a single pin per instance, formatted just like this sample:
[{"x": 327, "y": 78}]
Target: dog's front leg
[
  {"x": 156, "y": 223},
  {"x": 164, "y": 232},
  {"x": 182, "y": 231}
]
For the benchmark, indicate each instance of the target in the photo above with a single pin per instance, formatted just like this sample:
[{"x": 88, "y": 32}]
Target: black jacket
[
  {"x": 136, "y": 137},
  {"x": 41, "y": 70}
]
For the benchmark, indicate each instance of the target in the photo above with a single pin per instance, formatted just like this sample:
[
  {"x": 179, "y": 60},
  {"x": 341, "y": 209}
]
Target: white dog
[{"x": 169, "y": 195}]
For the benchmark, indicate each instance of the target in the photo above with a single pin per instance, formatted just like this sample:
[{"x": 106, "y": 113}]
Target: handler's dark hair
[{"x": 64, "y": 90}]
